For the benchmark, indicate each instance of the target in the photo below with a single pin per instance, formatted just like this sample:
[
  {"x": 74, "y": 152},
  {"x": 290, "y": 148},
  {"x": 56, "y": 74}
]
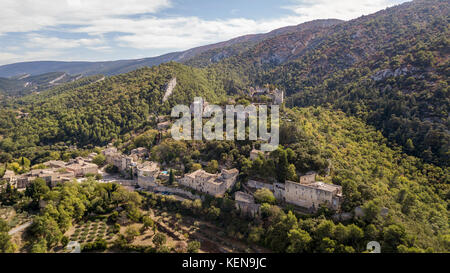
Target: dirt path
[{"x": 19, "y": 228}]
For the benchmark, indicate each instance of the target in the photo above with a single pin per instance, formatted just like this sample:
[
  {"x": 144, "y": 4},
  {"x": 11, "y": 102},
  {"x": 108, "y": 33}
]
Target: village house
[
  {"x": 90, "y": 157},
  {"x": 147, "y": 174},
  {"x": 51, "y": 176},
  {"x": 313, "y": 195},
  {"x": 55, "y": 164},
  {"x": 24, "y": 180},
  {"x": 139, "y": 153},
  {"x": 115, "y": 158},
  {"x": 10, "y": 177},
  {"x": 276, "y": 95},
  {"x": 212, "y": 184},
  {"x": 81, "y": 168},
  {"x": 308, "y": 178},
  {"x": 245, "y": 203},
  {"x": 307, "y": 194}
]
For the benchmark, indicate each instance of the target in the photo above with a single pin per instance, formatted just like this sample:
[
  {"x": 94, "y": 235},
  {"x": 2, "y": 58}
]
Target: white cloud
[
  {"x": 96, "y": 18},
  {"x": 38, "y": 55},
  {"x": 180, "y": 32},
  {"x": 31, "y": 15},
  {"x": 45, "y": 42},
  {"x": 185, "y": 32},
  {"x": 339, "y": 9}
]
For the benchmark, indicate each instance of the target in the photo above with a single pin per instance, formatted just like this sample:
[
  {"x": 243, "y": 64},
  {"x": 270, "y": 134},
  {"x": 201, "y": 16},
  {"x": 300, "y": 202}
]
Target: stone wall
[
  {"x": 259, "y": 185},
  {"x": 305, "y": 196}
]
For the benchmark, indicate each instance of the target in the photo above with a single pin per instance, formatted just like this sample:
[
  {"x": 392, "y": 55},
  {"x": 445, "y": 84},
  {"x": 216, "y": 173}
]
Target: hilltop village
[
  {"x": 137, "y": 171},
  {"x": 148, "y": 175}
]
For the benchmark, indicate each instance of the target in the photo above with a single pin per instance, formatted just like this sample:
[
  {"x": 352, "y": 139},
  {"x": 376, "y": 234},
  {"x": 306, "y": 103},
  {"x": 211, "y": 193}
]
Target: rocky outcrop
[
  {"x": 387, "y": 73},
  {"x": 169, "y": 89}
]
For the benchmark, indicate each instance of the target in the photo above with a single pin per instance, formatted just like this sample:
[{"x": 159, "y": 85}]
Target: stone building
[
  {"x": 245, "y": 203},
  {"x": 121, "y": 161},
  {"x": 279, "y": 191},
  {"x": 140, "y": 152},
  {"x": 212, "y": 184},
  {"x": 51, "y": 176},
  {"x": 307, "y": 194},
  {"x": 9, "y": 176},
  {"x": 312, "y": 195},
  {"x": 24, "y": 180},
  {"x": 276, "y": 95},
  {"x": 147, "y": 174},
  {"x": 82, "y": 168},
  {"x": 55, "y": 164},
  {"x": 308, "y": 178}
]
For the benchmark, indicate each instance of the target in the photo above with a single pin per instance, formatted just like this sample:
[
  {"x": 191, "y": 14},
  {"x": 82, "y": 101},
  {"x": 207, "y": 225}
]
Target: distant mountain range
[
  {"x": 109, "y": 68},
  {"x": 12, "y": 75},
  {"x": 26, "y": 83}
]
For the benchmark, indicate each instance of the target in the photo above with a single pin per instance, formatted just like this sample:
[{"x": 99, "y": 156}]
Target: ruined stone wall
[{"x": 305, "y": 196}]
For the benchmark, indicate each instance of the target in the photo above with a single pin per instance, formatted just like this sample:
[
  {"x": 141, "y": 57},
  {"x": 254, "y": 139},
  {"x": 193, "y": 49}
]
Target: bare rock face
[
  {"x": 386, "y": 73},
  {"x": 169, "y": 88}
]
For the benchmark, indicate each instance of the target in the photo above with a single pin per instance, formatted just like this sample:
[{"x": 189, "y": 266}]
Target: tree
[
  {"x": 340, "y": 233},
  {"x": 99, "y": 160},
  {"x": 264, "y": 196},
  {"x": 171, "y": 177},
  {"x": 131, "y": 233},
  {"x": 327, "y": 245},
  {"x": 212, "y": 167},
  {"x": 193, "y": 247},
  {"x": 6, "y": 246},
  {"x": 299, "y": 241},
  {"x": 355, "y": 234},
  {"x": 371, "y": 211},
  {"x": 283, "y": 166},
  {"x": 291, "y": 173},
  {"x": 255, "y": 235},
  {"x": 159, "y": 239},
  {"x": 5, "y": 157},
  {"x": 213, "y": 213},
  {"x": 64, "y": 240},
  {"x": 148, "y": 222},
  {"x": 3, "y": 226},
  {"x": 409, "y": 146},
  {"x": 393, "y": 236},
  {"x": 35, "y": 190},
  {"x": 39, "y": 247},
  {"x": 24, "y": 162},
  {"x": 195, "y": 167},
  {"x": 46, "y": 227},
  {"x": 325, "y": 229}
]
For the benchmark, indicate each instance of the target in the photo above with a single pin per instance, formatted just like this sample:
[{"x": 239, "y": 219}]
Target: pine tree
[{"x": 171, "y": 177}]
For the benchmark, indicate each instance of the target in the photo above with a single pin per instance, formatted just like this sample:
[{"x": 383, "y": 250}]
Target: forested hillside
[
  {"x": 373, "y": 176},
  {"x": 389, "y": 68},
  {"x": 101, "y": 111},
  {"x": 25, "y": 84}
]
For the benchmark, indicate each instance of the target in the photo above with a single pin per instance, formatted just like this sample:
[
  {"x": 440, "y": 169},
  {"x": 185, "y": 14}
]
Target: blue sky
[{"x": 94, "y": 30}]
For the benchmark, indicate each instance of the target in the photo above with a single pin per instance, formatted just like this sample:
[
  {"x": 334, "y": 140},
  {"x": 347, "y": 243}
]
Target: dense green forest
[
  {"x": 367, "y": 100},
  {"x": 98, "y": 112},
  {"x": 389, "y": 68},
  {"x": 372, "y": 175}
]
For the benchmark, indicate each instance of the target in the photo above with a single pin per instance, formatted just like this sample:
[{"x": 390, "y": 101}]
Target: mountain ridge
[{"x": 110, "y": 68}]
